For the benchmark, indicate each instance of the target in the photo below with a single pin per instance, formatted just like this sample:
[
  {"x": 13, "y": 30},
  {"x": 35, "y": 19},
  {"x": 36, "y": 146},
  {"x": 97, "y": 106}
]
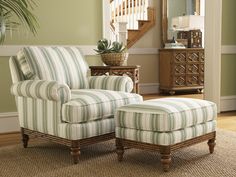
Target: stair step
[{"x": 144, "y": 26}]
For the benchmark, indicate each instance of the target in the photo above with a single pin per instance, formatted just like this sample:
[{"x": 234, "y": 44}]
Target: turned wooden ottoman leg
[
  {"x": 211, "y": 143},
  {"x": 75, "y": 151},
  {"x": 25, "y": 138},
  {"x": 165, "y": 158},
  {"x": 119, "y": 149}
]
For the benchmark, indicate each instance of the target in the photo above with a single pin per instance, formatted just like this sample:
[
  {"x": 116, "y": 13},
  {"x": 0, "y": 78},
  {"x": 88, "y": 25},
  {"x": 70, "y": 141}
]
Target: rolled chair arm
[
  {"x": 116, "y": 83},
  {"x": 41, "y": 89}
]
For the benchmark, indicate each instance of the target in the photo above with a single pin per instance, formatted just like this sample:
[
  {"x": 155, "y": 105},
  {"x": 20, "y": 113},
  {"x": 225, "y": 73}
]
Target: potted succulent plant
[
  {"x": 14, "y": 13},
  {"x": 112, "y": 54}
]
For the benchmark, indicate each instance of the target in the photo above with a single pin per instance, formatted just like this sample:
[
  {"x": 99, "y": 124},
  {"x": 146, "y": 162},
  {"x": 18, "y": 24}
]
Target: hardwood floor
[{"x": 225, "y": 120}]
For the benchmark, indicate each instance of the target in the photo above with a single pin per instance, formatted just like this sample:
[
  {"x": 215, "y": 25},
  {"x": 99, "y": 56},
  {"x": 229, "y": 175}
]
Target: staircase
[{"x": 133, "y": 18}]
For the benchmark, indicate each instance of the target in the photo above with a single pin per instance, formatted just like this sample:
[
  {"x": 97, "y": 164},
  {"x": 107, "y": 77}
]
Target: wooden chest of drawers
[{"x": 181, "y": 69}]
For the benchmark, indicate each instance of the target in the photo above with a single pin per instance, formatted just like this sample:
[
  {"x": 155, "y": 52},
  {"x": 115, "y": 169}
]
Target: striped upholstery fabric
[
  {"x": 47, "y": 79},
  {"x": 45, "y": 116},
  {"x": 48, "y": 90},
  {"x": 166, "y": 138},
  {"x": 116, "y": 83},
  {"x": 93, "y": 104},
  {"x": 63, "y": 64},
  {"x": 16, "y": 73},
  {"x": 166, "y": 114},
  {"x": 87, "y": 129}
]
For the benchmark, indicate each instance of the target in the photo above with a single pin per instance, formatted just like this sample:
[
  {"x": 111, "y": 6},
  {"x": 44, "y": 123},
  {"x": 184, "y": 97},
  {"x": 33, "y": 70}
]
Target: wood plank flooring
[{"x": 226, "y": 120}]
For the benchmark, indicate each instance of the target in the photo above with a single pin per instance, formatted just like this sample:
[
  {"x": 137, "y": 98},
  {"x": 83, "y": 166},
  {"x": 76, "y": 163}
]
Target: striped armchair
[{"x": 57, "y": 100}]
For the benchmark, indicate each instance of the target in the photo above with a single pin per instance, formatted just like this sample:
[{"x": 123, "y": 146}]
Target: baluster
[
  {"x": 132, "y": 14},
  {"x": 139, "y": 9},
  {"x": 136, "y": 13},
  {"x": 118, "y": 13},
  {"x": 126, "y": 14},
  {"x": 142, "y": 9},
  {"x": 121, "y": 10},
  {"x": 129, "y": 15}
]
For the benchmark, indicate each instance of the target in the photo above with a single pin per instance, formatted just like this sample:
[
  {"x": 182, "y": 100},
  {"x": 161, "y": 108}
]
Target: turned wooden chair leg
[
  {"x": 25, "y": 138},
  {"x": 211, "y": 143},
  {"x": 119, "y": 149},
  {"x": 75, "y": 152},
  {"x": 165, "y": 158}
]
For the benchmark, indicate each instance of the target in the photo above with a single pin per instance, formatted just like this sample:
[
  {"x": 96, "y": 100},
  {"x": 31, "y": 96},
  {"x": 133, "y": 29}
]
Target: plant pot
[{"x": 114, "y": 59}]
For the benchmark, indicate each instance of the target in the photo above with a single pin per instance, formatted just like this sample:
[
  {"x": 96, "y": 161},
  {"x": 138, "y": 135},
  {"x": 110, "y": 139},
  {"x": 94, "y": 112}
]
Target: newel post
[{"x": 121, "y": 32}]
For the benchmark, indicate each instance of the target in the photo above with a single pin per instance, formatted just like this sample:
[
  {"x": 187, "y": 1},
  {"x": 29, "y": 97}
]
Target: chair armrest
[
  {"x": 41, "y": 89},
  {"x": 116, "y": 83}
]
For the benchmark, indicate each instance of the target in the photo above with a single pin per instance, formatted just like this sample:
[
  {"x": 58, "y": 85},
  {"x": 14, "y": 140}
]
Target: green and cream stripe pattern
[
  {"x": 166, "y": 114},
  {"x": 116, "y": 83},
  {"x": 16, "y": 73},
  {"x": 87, "y": 129},
  {"x": 51, "y": 88},
  {"x": 166, "y": 138},
  {"x": 63, "y": 64},
  {"x": 165, "y": 121},
  {"x": 93, "y": 104},
  {"x": 47, "y": 90}
]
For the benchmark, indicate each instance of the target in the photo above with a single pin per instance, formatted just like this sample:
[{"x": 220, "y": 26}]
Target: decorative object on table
[
  {"x": 189, "y": 28},
  {"x": 112, "y": 54},
  {"x": 193, "y": 38},
  {"x": 14, "y": 13}
]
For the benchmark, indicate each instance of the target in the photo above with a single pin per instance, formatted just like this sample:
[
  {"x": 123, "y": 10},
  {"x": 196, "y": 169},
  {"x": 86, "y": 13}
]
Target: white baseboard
[
  {"x": 149, "y": 88},
  {"x": 228, "y": 103},
  {"x": 9, "y": 122}
]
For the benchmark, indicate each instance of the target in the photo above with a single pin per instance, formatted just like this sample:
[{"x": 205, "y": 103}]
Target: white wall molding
[
  {"x": 149, "y": 88},
  {"x": 228, "y": 49},
  {"x": 10, "y": 50},
  {"x": 228, "y": 103},
  {"x": 9, "y": 122},
  {"x": 143, "y": 51}
]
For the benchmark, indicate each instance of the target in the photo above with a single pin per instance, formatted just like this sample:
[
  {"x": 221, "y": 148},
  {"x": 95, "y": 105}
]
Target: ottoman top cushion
[{"x": 165, "y": 114}]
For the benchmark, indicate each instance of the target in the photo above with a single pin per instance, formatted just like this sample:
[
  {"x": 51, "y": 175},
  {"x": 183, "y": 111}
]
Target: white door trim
[{"x": 213, "y": 18}]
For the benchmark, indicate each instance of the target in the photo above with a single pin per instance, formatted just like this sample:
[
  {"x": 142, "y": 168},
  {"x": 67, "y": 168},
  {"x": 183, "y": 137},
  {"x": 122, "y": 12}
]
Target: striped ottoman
[{"x": 165, "y": 125}]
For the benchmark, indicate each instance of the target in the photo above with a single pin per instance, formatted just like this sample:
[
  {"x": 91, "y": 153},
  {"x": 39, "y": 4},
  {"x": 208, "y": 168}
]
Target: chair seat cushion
[
  {"x": 166, "y": 114},
  {"x": 86, "y": 129},
  {"x": 166, "y": 138},
  {"x": 94, "y": 104}
]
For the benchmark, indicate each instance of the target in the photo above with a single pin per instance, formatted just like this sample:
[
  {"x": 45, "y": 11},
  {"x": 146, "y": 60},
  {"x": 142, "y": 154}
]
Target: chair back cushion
[{"x": 63, "y": 64}]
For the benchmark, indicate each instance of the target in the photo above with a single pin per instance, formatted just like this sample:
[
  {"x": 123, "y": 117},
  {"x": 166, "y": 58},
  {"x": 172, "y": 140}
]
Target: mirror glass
[{"x": 176, "y": 8}]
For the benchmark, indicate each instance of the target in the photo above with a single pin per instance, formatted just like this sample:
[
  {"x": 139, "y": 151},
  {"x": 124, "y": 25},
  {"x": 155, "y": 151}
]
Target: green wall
[
  {"x": 228, "y": 67},
  {"x": 73, "y": 22}
]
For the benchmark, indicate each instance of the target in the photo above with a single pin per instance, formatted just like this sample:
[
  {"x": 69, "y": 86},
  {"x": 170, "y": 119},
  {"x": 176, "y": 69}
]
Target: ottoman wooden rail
[
  {"x": 165, "y": 151},
  {"x": 165, "y": 125}
]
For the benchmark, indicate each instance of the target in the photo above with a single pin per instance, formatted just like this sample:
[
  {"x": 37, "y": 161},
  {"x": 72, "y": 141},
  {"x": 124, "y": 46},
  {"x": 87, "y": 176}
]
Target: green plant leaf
[{"x": 20, "y": 9}]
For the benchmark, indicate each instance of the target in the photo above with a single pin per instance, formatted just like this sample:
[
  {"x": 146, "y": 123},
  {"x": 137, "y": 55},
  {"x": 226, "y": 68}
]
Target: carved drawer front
[
  {"x": 201, "y": 80},
  {"x": 201, "y": 68},
  {"x": 193, "y": 56},
  {"x": 192, "y": 80},
  {"x": 179, "y": 57},
  {"x": 192, "y": 69},
  {"x": 179, "y": 69},
  {"x": 201, "y": 56},
  {"x": 179, "y": 81}
]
